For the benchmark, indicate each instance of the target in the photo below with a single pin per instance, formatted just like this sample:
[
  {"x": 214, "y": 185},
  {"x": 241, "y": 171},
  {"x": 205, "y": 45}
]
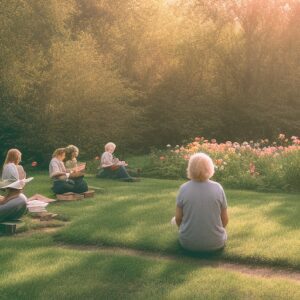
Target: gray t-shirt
[
  {"x": 201, "y": 228},
  {"x": 56, "y": 166}
]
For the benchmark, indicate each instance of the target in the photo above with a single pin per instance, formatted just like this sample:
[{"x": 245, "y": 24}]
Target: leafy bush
[{"x": 262, "y": 165}]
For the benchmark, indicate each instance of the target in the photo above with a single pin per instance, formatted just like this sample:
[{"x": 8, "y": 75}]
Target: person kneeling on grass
[
  {"x": 112, "y": 167},
  {"x": 201, "y": 210},
  {"x": 13, "y": 204},
  {"x": 64, "y": 182}
]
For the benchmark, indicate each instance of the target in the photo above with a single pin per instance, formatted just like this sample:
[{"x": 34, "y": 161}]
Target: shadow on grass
[
  {"x": 287, "y": 214},
  {"x": 133, "y": 224},
  {"x": 77, "y": 275},
  {"x": 137, "y": 216}
]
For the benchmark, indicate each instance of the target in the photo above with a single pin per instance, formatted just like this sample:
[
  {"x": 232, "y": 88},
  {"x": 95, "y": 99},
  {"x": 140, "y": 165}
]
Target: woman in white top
[
  {"x": 11, "y": 169},
  {"x": 64, "y": 181},
  {"x": 112, "y": 167}
]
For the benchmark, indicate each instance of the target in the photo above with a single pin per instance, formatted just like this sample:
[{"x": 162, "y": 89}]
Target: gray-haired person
[{"x": 201, "y": 208}]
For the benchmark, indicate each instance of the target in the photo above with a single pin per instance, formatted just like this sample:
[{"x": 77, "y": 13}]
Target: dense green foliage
[{"x": 144, "y": 73}]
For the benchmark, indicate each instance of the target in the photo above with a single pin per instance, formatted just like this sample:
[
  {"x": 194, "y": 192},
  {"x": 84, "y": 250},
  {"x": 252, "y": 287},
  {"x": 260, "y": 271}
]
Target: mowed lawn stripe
[
  {"x": 264, "y": 228},
  {"x": 35, "y": 268}
]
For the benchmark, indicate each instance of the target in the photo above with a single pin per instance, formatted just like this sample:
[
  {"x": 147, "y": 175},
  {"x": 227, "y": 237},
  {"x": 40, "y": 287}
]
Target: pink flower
[
  {"x": 197, "y": 139},
  {"x": 162, "y": 158},
  {"x": 213, "y": 141},
  {"x": 97, "y": 158},
  {"x": 34, "y": 164},
  {"x": 281, "y": 136},
  {"x": 219, "y": 162}
]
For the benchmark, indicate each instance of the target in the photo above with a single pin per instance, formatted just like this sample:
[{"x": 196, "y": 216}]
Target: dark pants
[
  {"x": 76, "y": 185},
  {"x": 120, "y": 173},
  {"x": 13, "y": 209}
]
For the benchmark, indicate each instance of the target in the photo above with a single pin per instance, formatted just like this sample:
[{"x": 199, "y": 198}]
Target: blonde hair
[
  {"x": 59, "y": 151},
  {"x": 200, "y": 167},
  {"x": 12, "y": 156},
  {"x": 70, "y": 150},
  {"x": 109, "y": 145}
]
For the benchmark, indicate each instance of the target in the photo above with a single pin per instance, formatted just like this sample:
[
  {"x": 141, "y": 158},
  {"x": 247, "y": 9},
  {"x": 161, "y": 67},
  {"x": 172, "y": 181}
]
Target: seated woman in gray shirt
[
  {"x": 63, "y": 181},
  {"x": 13, "y": 204},
  {"x": 201, "y": 208},
  {"x": 112, "y": 167}
]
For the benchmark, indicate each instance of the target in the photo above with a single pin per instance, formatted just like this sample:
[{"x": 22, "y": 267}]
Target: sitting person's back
[
  {"x": 201, "y": 227},
  {"x": 201, "y": 212}
]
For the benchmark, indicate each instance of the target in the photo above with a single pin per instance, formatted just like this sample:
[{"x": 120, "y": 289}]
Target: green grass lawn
[
  {"x": 263, "y": 229},
  {"x": 36, "y": 268}
]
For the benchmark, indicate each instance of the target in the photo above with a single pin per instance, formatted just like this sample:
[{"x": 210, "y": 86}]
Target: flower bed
[{"x": 261, "y": 165}]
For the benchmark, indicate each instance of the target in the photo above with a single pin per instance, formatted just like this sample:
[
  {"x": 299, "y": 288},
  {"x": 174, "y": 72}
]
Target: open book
[{"x": 80, "y": 167}]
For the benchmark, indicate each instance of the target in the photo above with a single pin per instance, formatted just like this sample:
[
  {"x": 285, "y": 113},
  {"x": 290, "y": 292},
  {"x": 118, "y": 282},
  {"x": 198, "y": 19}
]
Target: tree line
[{"x": 146, "y": 73}]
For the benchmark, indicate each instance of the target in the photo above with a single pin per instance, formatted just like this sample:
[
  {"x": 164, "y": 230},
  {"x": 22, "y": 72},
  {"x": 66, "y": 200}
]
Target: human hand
[
  {"x": 173, "y": 221},
  {"x": 76, "y": 174}
]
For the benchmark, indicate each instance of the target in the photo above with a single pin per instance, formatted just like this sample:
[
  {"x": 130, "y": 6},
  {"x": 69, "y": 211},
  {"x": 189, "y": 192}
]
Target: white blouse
[
  {"x": 13, "y": 172},
  {"x": 108, "y": 160}
]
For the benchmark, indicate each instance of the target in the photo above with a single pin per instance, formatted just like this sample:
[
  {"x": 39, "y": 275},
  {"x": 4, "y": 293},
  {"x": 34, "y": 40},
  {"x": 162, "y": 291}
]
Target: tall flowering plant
[{"x": 263, "y": 164}]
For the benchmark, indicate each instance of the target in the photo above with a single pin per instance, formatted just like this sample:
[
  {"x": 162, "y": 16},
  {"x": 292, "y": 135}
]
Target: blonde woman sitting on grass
[
  {"x": 64, "y": 181},
  {"x": 112, "y": 167},
  {"x": 13, "y": 171},
  {"x": 201, "y": 208},
  {"x": 71, "y": 163}
]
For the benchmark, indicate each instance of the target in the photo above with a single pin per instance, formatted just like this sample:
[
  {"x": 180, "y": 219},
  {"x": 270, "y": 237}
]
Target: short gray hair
[
  {"x": 109, "y": 145},
  {"x": 200, "y": 167}
]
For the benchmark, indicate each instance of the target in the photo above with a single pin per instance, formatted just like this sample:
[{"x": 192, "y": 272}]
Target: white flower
[
  {"x": 168, "y": 145},
  {"x": 286, "y": 7}
]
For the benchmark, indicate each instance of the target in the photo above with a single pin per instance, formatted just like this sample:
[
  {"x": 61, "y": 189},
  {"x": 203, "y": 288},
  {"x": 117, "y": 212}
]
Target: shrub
[{"x": 259, "y": 165}]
